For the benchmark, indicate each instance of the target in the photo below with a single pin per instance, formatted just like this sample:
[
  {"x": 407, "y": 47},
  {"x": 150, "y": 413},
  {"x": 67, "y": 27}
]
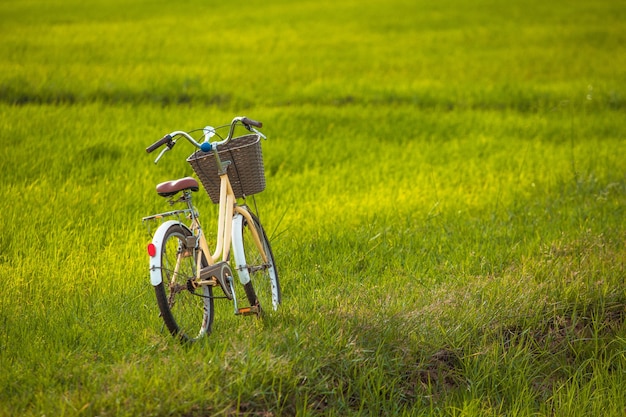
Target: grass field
[{"x": 446, "y": 200}]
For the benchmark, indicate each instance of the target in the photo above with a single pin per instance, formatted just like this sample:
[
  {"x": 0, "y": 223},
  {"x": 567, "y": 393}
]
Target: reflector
[{"x": 151, "y": 249}]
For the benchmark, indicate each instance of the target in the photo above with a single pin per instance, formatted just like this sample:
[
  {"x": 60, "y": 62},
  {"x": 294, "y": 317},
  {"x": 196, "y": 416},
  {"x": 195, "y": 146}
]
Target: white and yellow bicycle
[{"x": 183, "y": 271}]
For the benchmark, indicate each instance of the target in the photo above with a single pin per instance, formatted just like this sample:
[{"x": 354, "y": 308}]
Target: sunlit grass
[
  {"x": 398, "y": 261},
  {"x": 445, "y": 199}
]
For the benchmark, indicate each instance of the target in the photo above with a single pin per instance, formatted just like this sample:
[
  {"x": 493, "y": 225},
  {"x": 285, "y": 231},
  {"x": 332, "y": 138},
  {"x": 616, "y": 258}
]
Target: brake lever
[
  {"x": 250, "y": 128},
  {"x": 169, "y": 145},
  {"x": 167, "y": 148}
]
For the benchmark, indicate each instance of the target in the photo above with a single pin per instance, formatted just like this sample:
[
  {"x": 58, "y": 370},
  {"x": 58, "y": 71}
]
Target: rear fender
[{"x": 158, "y": 241}]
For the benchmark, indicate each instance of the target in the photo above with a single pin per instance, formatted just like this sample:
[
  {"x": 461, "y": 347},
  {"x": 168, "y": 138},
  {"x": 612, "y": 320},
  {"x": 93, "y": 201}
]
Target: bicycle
[{"x": 183, "y": 271}]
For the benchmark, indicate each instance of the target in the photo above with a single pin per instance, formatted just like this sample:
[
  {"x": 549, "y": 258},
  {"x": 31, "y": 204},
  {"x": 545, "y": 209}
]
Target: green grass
[{"x": 446, "y": 200}]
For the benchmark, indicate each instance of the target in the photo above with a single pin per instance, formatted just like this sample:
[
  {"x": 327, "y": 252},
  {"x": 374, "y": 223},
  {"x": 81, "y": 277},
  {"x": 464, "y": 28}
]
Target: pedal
[
  {"x": 248, "y": 311},
  {"x": 220, "y": 271}
]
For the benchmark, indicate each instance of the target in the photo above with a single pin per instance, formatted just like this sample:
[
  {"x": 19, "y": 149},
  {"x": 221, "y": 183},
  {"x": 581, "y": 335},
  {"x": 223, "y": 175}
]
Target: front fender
[
  {"x": 157, "y": 241},
  {"x": 238, "y": 251}
]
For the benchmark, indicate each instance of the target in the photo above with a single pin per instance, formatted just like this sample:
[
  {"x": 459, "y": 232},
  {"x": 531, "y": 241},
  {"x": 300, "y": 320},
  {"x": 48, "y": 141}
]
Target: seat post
[{"x": 186, "y": 198}]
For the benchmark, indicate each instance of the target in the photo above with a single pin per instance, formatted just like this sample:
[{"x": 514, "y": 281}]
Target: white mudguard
[
  {"x": 157, "y": 241},
  {"x": 238, "y": 252}
]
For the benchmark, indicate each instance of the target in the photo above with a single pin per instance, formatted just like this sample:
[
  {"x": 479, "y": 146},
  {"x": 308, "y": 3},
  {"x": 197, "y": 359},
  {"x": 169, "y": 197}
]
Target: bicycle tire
[
  {"x": 263, "y": 288},
  {"x": 187, "y": 312}
]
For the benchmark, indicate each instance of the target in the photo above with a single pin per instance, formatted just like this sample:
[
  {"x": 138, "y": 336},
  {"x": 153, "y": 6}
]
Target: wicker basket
[{"x": 246, "y": 172}]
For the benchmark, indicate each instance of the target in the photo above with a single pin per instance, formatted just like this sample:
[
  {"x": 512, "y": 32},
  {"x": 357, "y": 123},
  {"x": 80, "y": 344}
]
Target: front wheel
[
  {"x": 255, "y": 267},
  {"x": 186, "y": 310}
]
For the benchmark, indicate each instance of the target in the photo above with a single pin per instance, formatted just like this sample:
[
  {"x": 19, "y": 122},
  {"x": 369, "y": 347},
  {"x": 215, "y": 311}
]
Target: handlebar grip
[
  {"x": 165, "y": 139},
  {"x": 251, "y": 122}
]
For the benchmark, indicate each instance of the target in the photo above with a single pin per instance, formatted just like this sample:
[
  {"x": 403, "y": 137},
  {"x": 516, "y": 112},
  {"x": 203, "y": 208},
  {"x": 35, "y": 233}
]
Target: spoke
[{"x": 174, "y": 289}]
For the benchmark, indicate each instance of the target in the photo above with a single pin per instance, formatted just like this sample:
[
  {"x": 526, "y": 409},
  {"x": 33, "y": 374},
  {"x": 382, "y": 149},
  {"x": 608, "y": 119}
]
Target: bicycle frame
[
  {"x": 228, "y": 209},
  {"x": 230, "y": 213}
]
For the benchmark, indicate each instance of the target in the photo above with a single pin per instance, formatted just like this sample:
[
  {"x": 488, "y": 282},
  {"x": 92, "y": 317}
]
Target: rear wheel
[
  {"x": 186, "y": 311},
  {"x": 258, "y": 272}
]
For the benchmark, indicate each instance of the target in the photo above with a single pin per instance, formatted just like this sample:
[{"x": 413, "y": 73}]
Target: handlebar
[
  {"x": 166, "y": 139},
  {"x": 206, "y": 146},
  {"x": 251, "y": 122}
]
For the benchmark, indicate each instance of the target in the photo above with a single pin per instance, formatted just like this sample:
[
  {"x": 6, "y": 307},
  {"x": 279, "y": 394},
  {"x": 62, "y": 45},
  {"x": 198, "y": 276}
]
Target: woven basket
[{"x": 246, "y": 172}]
